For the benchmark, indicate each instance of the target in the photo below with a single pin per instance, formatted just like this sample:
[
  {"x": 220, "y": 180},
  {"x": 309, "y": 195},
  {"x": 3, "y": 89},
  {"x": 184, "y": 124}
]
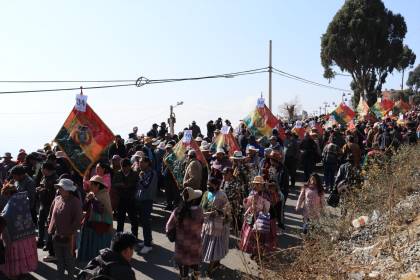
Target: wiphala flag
[{"x": 343, "y": 114}]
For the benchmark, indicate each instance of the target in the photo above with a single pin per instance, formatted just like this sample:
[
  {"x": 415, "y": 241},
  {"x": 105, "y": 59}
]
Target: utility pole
[
  {"x": 171, "y": 120},
  {"x": 402, "y": 80},
  {"x": 270, "y": 72}
]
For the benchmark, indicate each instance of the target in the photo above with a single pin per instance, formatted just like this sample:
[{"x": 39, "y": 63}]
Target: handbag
[
  {"x": 262, "y": 223},
  {"x": 334, "y": 198}
]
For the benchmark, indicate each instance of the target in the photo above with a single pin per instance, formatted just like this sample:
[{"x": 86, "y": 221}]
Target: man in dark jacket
[
  {"x": 219, "y": 123},
  {"x": 45, "y": 195},
  {"x": 162, "y": 130},
  {"x": 309, "y": 148},
  {"x": 117, "y": 148},
  {"x": 243, "y": 139},
  {"x": 153, "y": 133},
  {"x": 279, "y": 176},
  {"x": 291, "y": 154},
  {"x": 330, "y": 160},
  {"x": 125, "y": 183},
  {"x": 145, "y": 195},
  {"x": 113, "y": 263},
  {"x": 210, "y": 129},
  {"x": 195, "y": 129}
]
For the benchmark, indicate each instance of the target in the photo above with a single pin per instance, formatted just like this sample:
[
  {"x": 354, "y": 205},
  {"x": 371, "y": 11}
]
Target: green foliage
[
  {"x": 407, "y": 59},
  {"x": 366, "y": 40},
  {"x": 414, "y": 79}
]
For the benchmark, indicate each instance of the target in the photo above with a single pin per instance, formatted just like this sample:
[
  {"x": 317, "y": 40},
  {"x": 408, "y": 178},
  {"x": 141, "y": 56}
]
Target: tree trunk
[{"x": 402, "y": 80}]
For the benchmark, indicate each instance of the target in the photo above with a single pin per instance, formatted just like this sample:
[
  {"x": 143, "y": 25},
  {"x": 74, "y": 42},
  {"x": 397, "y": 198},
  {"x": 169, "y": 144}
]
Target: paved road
[{"x": 159, "y": 264}]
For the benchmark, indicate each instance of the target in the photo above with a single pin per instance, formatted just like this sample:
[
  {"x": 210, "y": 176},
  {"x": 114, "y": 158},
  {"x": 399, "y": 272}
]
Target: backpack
[
  {"x": 99, "y": 272},
  {"x": 331, "y": 154}
]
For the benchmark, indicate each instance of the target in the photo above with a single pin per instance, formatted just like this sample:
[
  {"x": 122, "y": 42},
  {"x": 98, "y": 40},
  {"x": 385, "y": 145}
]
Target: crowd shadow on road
[{"x": 156, "y": 264}]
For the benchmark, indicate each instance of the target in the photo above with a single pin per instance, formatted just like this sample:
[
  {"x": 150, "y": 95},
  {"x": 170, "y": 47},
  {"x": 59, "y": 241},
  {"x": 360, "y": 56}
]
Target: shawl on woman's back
[
  {"x": 19, "y": 224},
  {"x": 104, "y": 216}
]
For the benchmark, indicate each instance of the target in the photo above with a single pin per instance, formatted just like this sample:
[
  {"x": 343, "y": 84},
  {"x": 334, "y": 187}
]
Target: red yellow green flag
[
  {"x": 261, "y": 121},
  {"x": 227, "y": 142},
  {"x": 382, "y": 107},
  {"x": 84, "y": 137},
  {"x": 177, "y": 160}
]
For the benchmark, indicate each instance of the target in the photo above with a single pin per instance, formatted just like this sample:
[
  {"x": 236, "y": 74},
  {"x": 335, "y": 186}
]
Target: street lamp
[
  {"x": 172, "y": 119},
  {"x": 325, "y": 107}
]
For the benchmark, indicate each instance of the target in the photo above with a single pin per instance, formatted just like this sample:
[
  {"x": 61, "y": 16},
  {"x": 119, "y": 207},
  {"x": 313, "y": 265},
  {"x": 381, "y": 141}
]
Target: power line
[
  {"x": 64, "y": 81},
  {"x": 140, "y": 82},
  {"x": 144, "y": 81},
  {"x": 297, "y": 78},
  {"x": 65, "y": 89}
]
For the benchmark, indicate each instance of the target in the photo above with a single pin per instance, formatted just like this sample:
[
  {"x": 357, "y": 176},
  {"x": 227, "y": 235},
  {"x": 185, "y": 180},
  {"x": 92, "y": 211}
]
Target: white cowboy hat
[{"x": 67, "y": 185}]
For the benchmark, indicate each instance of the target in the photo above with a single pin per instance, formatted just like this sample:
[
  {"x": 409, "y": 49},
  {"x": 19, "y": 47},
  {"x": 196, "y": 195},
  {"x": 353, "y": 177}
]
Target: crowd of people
[{"x": 46, "y": 204}]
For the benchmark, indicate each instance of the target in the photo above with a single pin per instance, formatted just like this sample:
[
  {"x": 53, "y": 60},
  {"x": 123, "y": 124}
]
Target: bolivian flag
[
  {"x": 261, "y": 121},
  {"x": 343, "y": 114},
  {"x": 177, "y": 160},
  {"x": 84, "y": 137}
]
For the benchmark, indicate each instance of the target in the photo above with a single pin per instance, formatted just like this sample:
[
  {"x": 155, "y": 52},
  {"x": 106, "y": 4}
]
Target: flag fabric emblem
[
  {"x": 343, "y": 114},
  {"x": 84, "y": 137},
  {"x": 261, "y": 122},
  {"x": 177, "y": 160}
]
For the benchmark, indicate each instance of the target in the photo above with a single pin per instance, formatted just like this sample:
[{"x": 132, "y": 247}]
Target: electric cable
[
  {"x": 66, "y": 89},
  {"x": 297, "y": 78}
]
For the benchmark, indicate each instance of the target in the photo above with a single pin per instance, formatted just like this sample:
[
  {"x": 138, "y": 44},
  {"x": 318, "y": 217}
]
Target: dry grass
[{"x": 387, "y": 182}]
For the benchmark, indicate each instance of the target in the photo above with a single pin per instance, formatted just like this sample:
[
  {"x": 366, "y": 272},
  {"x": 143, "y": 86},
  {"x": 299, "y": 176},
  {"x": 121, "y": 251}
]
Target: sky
[{"x": 100, "y": 40}]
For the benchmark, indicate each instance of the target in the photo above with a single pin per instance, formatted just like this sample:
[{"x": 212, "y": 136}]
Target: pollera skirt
[
  {"x": 215, "y": 247},
  {"x": 21, "y": 257},
  {"x": 91, "y": 243}
]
